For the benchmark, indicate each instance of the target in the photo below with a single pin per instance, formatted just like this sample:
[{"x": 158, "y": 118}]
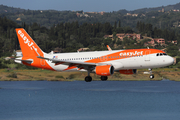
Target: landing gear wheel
[
  {"x": 88, "y": 78},
  {"x": 104, "y": 78},
  {"x": 151, "y": 76}
]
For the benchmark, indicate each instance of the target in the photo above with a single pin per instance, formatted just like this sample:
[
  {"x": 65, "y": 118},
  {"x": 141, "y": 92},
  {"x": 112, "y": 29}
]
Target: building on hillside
[
  {"x": 175, "y": 10},
  {"x": 83, "y": 49},
  {"x": 161, "y": 10},
  {"x": 158, "y": 40},
  {"x": 108, "y": 36},
  {"x": 82, "y": 15},
  {"x": 133, "y": 15},
  {"x": 121, "y": 36},
  {"x": 173, "y": 41},
  {"x": 102, "y": 12}
]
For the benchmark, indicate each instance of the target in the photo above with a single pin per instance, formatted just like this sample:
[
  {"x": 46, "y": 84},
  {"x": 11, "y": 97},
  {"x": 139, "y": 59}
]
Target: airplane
[{"x": 102, "y": 63}]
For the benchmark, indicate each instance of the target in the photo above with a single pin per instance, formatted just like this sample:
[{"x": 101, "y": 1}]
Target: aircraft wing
[{"x": 68, "y": 62}]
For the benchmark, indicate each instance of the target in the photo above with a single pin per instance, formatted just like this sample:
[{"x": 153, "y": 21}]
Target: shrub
[
  {"x": 59, "y": 76},
  {"x": 12, "y": 75},
  {"x": 71, "y": 76}
]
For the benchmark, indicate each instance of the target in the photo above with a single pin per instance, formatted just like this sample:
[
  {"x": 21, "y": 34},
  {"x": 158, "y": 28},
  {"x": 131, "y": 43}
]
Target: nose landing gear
[{"x": 151, "y": 75}]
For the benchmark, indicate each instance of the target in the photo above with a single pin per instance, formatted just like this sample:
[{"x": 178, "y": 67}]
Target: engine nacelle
[
  {"x": 105, "y": 70},
  {"x": 128, "y": 72}
]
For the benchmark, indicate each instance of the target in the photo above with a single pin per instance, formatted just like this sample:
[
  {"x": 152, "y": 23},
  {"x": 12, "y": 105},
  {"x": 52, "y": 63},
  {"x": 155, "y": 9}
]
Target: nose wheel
[{"x": 151, "y": 75}]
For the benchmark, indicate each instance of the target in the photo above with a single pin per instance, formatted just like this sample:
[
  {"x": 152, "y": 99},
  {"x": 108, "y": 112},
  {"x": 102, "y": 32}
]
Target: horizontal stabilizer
[{"x": 19, "y": 60}]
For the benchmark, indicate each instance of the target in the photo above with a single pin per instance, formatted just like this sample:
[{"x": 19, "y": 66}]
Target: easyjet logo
[
  {"x": 131, "y": 53},
  {"x": 26, "y": 40}
]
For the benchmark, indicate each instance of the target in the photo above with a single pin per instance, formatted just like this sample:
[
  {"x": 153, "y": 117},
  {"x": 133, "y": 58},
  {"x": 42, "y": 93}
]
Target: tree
[
  {"x": 115, "y": 25},
  {"x": 172, "y": 50},
  {"x": 119, "y": 24}
]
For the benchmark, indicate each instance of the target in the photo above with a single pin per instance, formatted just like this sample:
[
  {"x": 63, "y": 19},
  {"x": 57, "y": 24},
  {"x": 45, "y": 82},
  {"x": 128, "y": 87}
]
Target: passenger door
[{"x": 147, "y": 55}]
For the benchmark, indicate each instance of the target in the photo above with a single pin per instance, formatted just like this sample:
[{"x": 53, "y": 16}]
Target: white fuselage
[{"x": 119, "y": 62}]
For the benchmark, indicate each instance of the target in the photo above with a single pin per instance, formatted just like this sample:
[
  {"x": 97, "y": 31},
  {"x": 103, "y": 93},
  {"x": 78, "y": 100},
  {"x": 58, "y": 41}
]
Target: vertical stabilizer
[
  {"x": 28, "y": 47},
  {"x": 30, "y": 51}
]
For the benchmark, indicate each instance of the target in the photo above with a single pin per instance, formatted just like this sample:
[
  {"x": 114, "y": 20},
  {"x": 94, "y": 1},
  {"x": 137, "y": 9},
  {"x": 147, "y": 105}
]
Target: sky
[{"x": 87, "y": 5}]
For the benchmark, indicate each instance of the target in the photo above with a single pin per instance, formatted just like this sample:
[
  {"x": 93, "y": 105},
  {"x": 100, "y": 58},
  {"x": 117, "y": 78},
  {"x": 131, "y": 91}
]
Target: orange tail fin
[{"x": 28, "y": 47}]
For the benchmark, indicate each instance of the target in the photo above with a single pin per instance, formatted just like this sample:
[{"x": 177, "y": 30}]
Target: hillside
[
  {"x": 166, "y": 8},
  {"x": 60, "y": 29},
  {"x": 6, "y": 9},
  {"x": 69, "y": 36},
  {"x": 48, "y": 18}
]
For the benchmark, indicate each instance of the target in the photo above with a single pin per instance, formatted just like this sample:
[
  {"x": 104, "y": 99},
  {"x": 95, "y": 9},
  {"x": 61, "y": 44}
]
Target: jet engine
[
  {"x": 105, "y": 70},
  {"x": 128, "y": 72}
]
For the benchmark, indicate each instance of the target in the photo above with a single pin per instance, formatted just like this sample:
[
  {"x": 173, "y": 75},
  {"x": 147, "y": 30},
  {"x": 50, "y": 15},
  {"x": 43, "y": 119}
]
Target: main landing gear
[
  {"x": 89, "y": 78},
  {"x": 104, "y": 78},
  {"x": 151, "y": 75}
]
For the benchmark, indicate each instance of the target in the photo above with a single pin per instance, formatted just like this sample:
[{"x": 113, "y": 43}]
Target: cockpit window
[{"x": 161, "y": 54}]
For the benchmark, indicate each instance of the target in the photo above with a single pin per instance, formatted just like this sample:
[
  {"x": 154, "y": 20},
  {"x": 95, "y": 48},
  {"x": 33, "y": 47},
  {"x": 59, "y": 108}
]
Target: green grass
[{"x": 39, "y": 74}]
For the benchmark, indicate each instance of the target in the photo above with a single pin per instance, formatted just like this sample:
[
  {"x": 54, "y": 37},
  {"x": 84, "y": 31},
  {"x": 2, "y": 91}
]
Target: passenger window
[
  {"x": 157, "y": 54},
  {"x": 161, "y": 54}
]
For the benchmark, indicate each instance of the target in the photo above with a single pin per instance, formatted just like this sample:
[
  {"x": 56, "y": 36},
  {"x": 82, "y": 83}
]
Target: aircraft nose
[{"x": 170, "y": 60}]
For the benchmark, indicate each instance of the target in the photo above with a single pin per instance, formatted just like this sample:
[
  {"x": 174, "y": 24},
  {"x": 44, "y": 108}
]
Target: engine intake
[{"x": 105, "y": 70}]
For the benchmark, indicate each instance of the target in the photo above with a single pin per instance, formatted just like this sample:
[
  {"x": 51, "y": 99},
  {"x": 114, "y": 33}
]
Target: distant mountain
[
  {"x": 48, "y": 18},
  {"x": 6, "y": 9},
  {"x": 166, "y": 8}
]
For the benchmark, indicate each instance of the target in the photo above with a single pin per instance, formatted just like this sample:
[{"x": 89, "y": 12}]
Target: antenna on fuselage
[{"x": 109, "y": 48}]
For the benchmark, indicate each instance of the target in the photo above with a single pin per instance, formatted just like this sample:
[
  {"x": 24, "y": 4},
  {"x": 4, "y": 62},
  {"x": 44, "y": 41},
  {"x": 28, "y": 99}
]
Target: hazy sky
[{"x": 87, "y": 5}]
